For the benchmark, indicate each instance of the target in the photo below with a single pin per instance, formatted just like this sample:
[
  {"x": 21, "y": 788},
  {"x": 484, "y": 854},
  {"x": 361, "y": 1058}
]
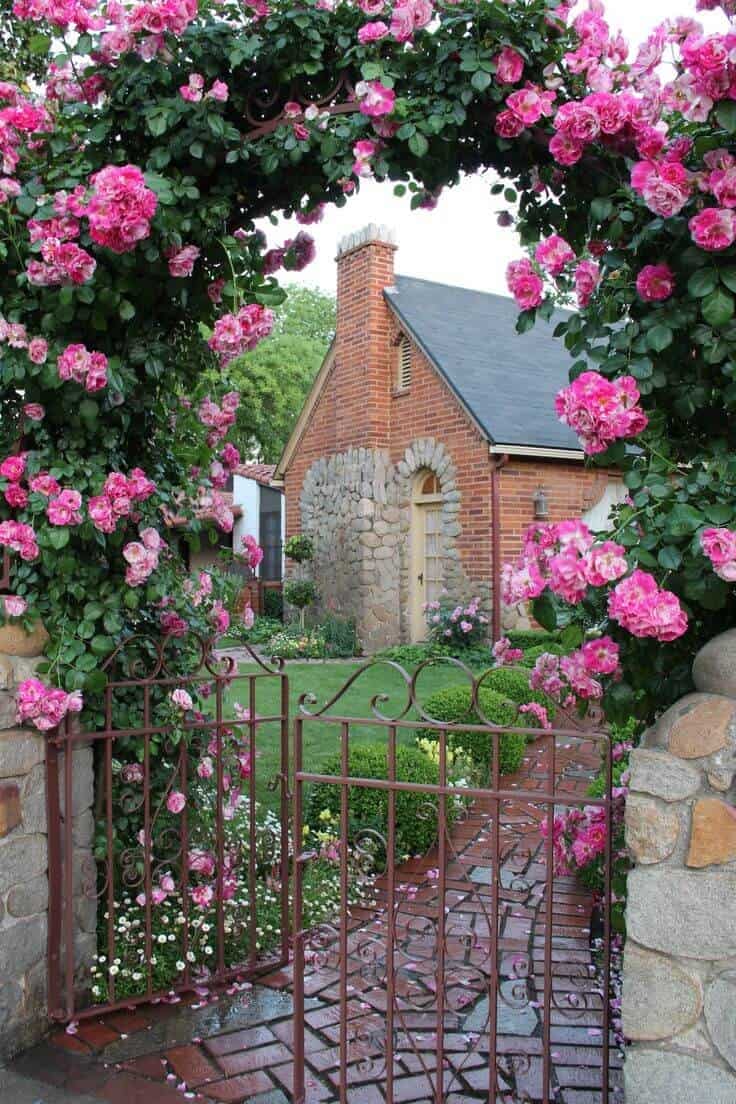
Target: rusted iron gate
[
  {"x": 470, "y": 968},
  {"x": 167, "y": 827}
]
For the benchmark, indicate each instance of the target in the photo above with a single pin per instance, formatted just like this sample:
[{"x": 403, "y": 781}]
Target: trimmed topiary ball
[
  {"x": 514, "y": 685},
  {"x": 453, "y": 706},
  {"x": 415, "y": 825}
]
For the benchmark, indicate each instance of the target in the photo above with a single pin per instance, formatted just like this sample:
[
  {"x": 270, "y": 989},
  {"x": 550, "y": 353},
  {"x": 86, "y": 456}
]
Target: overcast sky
[{"x": 459, "y": 242}]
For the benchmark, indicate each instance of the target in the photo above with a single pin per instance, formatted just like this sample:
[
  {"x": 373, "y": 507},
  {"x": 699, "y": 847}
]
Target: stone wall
[
  {"x": 679, "y": 995},
  {"x": 24, "y": 859},
  {"x": 356, "y": 505}
]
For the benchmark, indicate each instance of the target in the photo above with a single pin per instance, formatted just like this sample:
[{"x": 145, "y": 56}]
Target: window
[
  {"x": 269, "y": 527},
  {"x": 431, "y": 485},
  {"x": 403, "y": 374}
]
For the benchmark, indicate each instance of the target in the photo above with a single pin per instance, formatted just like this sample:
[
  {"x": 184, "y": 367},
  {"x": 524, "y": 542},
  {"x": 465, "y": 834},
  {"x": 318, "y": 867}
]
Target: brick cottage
[{"x": 427, "y": 445}]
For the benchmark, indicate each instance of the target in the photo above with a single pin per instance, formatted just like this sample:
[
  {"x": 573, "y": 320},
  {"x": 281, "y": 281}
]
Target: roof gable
[{"x": 508, "y": 381}]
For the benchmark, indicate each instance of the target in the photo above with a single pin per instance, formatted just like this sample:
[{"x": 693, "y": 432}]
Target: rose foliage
[{"x": 131, "y": 178}]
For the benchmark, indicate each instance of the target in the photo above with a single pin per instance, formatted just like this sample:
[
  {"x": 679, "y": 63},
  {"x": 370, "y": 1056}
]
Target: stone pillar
[
  {"x": 24, "y": 856},
  {"x": 679, "y": 992}
]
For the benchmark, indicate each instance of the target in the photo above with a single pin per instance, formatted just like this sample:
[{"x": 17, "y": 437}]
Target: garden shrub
[
  {"x": 513, "y": 684},
  {"x": 368, "y": 808},
  {"x": 531, "y": 656},
  {"x": 411, "y": 655},
  {"x": 457, "y": 624},
  {"x": 273, "y": 604},
  {"x": 296, "y": 643},
  {"x": 530, "y": 638},
  {"x": 453, "y": 706},
  {"x": 341, "y": 639}
]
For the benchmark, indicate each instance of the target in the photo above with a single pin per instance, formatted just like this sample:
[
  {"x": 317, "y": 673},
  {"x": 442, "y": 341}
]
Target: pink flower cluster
[
  {"x": 503, "y": 654},
  {"x": 64, "y": 508},
  {"x": 601, "y": 411},
  {"x": 644, "y": 609},
  {"x": 579, "y": 837},
  {"x": 252, "y": 551},
  {"x": 13, "y": 605},
  {"x": 714, "y": 228},
  {"x": 294, "y": 255},
  {"x": 20, "y": 538},
  {"x": 569, "y": 678},
  {"x": 119, "y": 495},
  {"x": 523, "y": 109},
  {"x": 374, "y": 98},
  {"x": 87, "y": 368},
  {"x": 181, "y": 260},
  {"x": 235, "y": 334},
  {"x": 719, "y": 545},
  {"x": 525, "y": 284},
  {"x": 120, "y": 208},
  {"x": 45, "y": 706},
  {"x": 142, "y": 556},
  {"x": 62, "y": 263},
  {"x": 193, "y": 90},
  {"x": 564, "y": 557},
  {"x": 665, "y": 186},
  {"x": 218, "y": 418},
  {"x": 409, "y": 16}
]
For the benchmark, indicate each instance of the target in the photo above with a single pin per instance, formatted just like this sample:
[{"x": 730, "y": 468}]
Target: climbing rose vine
[{"x": 131, "y": 179}]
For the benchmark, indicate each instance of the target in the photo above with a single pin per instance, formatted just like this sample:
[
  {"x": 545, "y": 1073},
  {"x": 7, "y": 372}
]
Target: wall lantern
[{"x": 541, "y": 505}]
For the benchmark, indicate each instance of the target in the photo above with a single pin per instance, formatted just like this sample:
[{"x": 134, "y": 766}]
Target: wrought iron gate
[
  {"x": 174, "y": 832},
  {"x": 468, "y": 972}
]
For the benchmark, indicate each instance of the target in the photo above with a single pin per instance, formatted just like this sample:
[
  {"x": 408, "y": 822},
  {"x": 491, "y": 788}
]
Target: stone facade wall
[
  {"x": 679, "y": 991},
  {"x": 24, "y": 861},
  {"x": 356, "y": 506}
]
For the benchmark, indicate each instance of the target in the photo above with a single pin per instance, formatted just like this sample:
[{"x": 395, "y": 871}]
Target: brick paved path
[{"x": 236, "y": 1047}]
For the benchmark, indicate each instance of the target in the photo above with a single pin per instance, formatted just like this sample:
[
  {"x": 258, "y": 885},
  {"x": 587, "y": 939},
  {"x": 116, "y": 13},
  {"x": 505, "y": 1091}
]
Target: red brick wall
[
  {"x": 429, "y": 409},
  {"x": 571, "y": 489},
  {"x": 359, "y": 406}
]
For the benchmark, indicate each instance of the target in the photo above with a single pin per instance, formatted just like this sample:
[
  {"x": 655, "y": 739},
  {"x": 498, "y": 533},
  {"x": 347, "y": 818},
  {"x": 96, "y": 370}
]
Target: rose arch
[{"x": 134, "y": 164}]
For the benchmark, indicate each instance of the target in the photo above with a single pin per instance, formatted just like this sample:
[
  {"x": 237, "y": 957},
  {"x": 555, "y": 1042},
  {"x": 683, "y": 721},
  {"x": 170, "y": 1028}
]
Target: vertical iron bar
[
  {"x": 69, "y": 869},
  {"x": 606, "y": 987},
  {"x": 549, "y": 890},
  {"x": 284, "y": 810},
  {"x": 147, "y": 840},
  {"x": 53, "y": 820},
  {"x": 298, "y": 979},
  {"x": 344, "y": 769},
  {"x": 184, "y": 879},
  {"x": 220, "y": 827},
  {"x": 109, "y": 845},
  {"x": 253, "y": 917},
  {"x": 442, "y": 890},
  {"x": 496, "y": 806},
  {"x": 390, "y": 890}
]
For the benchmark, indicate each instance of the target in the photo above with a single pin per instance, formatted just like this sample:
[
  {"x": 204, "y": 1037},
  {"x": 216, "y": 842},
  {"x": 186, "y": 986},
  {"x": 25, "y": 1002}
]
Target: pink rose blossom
[
  {"x": 203, "y": 895},
  {"x": 181, "y": 261},
  {"x": 14, "y": 605},
  {"x": 374, "y": 98},
  {"x": 34, "y": 412},
  {"x": 714, "y": 228},
  {"x": 526, "y": 285},
  {"x": 553, "y": 254},
  {"x": 655, "y": 283},
  {"x": 719, "y": 545},
  {"x": 601, "y": 411},
  {"x": 372, "y": 32},
  {"x": 44, "y": 707},
  {"x": 13, "y": 467},
  {"x": 509, "y": 66},
  {"x": 601, "y": 656},
  {"x": 175, "y": 802},
  {"x": 587, "y": 277},
  {"x": 64, "y": 509},
  {"x": 38, "y": 349},
  {"x": 181, "y": 699},
  {"x": 640, "y": 607},
  {"x": 664, "y": 186}
]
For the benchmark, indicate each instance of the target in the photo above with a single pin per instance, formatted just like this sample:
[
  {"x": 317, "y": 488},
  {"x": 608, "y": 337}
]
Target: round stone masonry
[{"x": 699, "y": 725}]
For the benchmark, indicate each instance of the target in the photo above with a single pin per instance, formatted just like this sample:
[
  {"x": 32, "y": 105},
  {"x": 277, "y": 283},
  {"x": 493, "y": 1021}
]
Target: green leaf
[
  {"x": 718, "y": 307},
  {"x": 196, "y": 149},
  {"x": 669, "y": 557},
  {"x": 728, "y": 277},
  {"x": 601, "y": 208},
  {"x": 683, "y": 519},
  {"x": 95, "y": 682},
  {"x": 58, "y": 538},
  {"x": 480, "y": 80},
  {"x": 126, "y": 310},
  {"x": 618, "y": 702},
  {"x": 418, "y": 145},
  {"x": 545, "y": 611},
  {"x": 726, "y": 115},
  {"x": 102, "y": 645},
  {"x": 659, "y": 337},
  {"x": 25, "y": 204},
  {"x": 571, "y": 637},
  {"x": 39, "y": 44},
  {"x": 702, "y": 282}
]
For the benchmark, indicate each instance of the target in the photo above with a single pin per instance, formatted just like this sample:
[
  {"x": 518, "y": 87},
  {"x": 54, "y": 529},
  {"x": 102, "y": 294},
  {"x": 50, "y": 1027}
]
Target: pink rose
[
  {"x": 587, "y": 278},
  {"x": 372, "y": 32},
  {"x": 375, "y": 99},
  {"x": 509, "y": 66},
  {"x": 553, "y": 254},
  {"x": 14, "y": 605},
  {"x": 181, "y": 261},
  {"x": 175, "y": 802},
  {"x": 34, "y": 412},
  {"x": 714, "y": 228},
  {"x": 655, "y": 283},
  {"x": 13, "y": 467},
  {"x": 181, "y": 699},
  {"x": 526, "y": 285},
  {"x": 38, "y": 350}
]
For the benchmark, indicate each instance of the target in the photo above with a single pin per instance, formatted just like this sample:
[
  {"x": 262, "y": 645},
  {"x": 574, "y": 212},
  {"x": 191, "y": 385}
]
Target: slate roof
[{"x": 507, "y": 380}]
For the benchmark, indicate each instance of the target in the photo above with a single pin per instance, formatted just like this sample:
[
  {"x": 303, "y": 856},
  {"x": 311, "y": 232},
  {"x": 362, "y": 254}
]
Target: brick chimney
[{"x": 363, "y": 353}]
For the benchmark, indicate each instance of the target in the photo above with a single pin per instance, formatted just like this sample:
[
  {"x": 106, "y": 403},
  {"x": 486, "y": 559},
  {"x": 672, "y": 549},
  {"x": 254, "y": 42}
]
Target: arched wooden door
[{"x": 427, "y": 574}]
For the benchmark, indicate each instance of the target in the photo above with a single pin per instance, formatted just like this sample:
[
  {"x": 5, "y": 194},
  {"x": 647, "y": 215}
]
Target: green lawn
[{"x": 320, "y": 738}]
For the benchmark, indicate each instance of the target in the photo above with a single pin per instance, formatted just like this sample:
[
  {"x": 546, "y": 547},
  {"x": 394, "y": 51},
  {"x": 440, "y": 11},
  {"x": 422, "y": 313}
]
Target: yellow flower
[{"x": 325, "y": 815}]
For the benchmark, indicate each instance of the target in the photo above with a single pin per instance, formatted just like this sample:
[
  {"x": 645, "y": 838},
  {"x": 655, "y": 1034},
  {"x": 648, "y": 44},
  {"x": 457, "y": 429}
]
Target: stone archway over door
[{"x": 427, "y": 574}]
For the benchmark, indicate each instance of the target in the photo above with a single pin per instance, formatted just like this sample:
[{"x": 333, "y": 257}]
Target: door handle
[{"x": 420, "y": 577}]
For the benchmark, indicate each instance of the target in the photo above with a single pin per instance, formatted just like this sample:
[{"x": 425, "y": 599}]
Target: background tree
[{"x": 273, "y": 379}]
